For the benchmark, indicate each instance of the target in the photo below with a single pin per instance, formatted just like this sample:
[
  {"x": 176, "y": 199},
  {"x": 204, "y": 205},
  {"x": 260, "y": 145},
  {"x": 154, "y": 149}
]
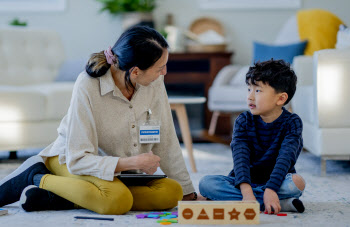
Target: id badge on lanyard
[{"x": 149, "y": 131}]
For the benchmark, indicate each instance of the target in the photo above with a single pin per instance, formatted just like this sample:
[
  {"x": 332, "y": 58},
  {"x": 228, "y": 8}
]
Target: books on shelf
[{"x": 3, "y": 211}]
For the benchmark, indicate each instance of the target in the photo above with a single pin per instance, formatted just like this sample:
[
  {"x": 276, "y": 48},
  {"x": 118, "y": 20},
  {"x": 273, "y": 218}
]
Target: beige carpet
[{"x": 327, "y": 199}]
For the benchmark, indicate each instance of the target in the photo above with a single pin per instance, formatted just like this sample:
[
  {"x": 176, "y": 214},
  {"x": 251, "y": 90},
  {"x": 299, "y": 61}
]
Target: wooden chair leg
[
  {"x": 213, "y": 122},
  {"x": 323, "y": 167},
  {"x": 13, "y": 155},
  {"x": 181, "y": 114}
]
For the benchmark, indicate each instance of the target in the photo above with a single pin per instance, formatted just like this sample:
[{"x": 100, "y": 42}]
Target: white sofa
[
  {"x": 322, "y": 102},
  {"x": 32, "y": 104}
]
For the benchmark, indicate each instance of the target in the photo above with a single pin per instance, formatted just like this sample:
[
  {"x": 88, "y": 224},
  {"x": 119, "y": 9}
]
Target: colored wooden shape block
[
  {"x": 218, "y": 212},
  {"x": 167, "y": 220},
  {"x": 162, "y": 220},
  {"x": 171, "y": 216},
  {"x": 268, "y": 213},
  {"x": 141, "y": 216},
  {"x": 172, "y": 221}
]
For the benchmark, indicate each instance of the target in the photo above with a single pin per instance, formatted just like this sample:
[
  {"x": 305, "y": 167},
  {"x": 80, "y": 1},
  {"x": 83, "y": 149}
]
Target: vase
[{"x": 137, "y": 18}]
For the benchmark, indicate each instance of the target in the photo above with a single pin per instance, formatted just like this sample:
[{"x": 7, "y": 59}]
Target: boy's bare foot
[{"x": 201, "y": 198}]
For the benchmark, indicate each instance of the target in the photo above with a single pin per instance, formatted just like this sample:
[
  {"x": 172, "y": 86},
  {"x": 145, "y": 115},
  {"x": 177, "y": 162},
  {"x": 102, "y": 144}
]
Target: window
[
  {"x": 248, "y": 4},
  {"x": 32, "y": 5}
]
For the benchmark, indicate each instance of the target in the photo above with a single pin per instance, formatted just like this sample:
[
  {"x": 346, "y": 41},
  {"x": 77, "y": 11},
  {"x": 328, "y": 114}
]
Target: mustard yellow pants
[{"x": 109, "y": 197}]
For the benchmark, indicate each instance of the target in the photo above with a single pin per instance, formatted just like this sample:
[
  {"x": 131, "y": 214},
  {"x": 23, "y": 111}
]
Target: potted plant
[
  {"x": 133, "y": 11},
  {"x": 17, "y": 22}
]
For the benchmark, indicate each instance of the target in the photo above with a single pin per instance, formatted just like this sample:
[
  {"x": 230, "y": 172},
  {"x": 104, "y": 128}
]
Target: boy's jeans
[{"x": 218, "y": 187}]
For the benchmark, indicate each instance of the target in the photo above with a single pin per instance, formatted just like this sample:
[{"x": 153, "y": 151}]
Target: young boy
[{"x": 266, "y": 143}]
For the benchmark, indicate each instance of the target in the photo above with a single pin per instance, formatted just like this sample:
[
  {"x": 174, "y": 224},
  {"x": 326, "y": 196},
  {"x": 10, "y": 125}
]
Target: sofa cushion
[
  {"x": 21, "y": 104},
  {"x": 57, "y": 96},
  {"x": 303, "y": 104},
  {"x": 264, "y": 52},
  {"x": 29, "y": 56},
  {"x": 228, "y": 98},
  {"x": 35, "y": 102},
  {"x": 239, "y": 78},
  {"x": 319, "y": 27},
  {"x": 288, "y": 33},
  {"x": 343, "y": 37}
]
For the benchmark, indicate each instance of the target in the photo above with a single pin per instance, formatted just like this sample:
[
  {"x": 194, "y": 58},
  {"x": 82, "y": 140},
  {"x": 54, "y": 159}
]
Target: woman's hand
[{"x": 148, "y": 162}]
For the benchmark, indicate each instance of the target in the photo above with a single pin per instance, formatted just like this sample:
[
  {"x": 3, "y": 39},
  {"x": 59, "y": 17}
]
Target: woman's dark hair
[
  {"x": 139, "y": 46},
  {"x": 276, "y": 73}
]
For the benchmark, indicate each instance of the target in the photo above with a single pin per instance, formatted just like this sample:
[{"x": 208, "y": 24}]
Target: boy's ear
[{"x": 282, "y": 98}]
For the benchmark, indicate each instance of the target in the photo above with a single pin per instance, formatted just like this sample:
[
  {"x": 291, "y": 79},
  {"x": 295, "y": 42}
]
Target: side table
[{"x": 198, "y": 69}]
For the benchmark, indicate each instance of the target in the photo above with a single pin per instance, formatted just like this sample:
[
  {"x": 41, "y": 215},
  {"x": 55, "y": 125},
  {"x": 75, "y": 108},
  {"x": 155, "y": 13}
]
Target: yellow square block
[{"x": 218, "y": 212}]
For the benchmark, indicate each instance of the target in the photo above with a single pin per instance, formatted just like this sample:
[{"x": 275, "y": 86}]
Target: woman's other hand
[{"x": 148, "y": 162}]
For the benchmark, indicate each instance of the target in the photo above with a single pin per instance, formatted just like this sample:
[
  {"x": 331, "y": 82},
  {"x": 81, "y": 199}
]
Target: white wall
[
  {"x": 244, "y": 26},
  {"x": 83, "y": 28}
]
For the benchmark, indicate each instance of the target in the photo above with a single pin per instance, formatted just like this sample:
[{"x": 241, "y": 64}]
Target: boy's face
[{"x": 264, "y": 101}]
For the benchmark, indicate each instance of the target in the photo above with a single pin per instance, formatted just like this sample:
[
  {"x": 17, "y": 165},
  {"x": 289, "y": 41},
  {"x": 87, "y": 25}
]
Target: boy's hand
[
  {"x": 247, "y": 192},
  {"x": 249, "y": 197},
  {"x": 271, "y": 201}
]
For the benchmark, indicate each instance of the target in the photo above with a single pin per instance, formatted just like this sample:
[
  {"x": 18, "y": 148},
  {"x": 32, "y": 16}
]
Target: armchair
[
  {"x": 227, "y": 93},
  {"x": 31, "y": 103},
  {"x": 322, "y": 102}
]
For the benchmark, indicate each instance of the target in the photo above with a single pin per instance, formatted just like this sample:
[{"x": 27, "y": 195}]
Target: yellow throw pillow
[{"x": 319, "y": 27}]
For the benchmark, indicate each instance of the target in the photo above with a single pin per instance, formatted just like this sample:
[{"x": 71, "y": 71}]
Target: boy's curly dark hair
[{"x": 276, "y": 73}]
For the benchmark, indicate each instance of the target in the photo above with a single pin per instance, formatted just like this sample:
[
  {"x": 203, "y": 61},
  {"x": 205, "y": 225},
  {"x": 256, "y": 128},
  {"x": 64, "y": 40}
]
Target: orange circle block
[
  {"x": 165, "y": 223},
  {"x": 187, "y": 213}
]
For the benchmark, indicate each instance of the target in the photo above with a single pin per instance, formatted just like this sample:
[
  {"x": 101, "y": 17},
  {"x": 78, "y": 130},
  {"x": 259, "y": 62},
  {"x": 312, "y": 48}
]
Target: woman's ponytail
[{"x": 97, "y": 65}]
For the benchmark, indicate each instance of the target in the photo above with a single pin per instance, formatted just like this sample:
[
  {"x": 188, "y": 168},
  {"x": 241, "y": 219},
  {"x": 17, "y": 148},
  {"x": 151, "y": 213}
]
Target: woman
[{"x": 121, "y": 92}]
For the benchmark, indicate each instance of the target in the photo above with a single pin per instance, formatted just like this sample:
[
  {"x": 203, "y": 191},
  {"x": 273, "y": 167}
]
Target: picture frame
[
  {"x": 248, "y": 4},
  {"x": 32, "y": 5}
]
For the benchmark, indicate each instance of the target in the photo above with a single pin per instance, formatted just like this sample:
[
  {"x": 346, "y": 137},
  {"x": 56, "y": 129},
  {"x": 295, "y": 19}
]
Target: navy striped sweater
[{"x": 263, "y": 153}]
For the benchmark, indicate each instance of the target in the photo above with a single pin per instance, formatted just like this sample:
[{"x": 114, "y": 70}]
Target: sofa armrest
[
  {"x": 225, "y": 75},
  {"x": 332, "y": 77},
  {"x": 303, "y": 68}
]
